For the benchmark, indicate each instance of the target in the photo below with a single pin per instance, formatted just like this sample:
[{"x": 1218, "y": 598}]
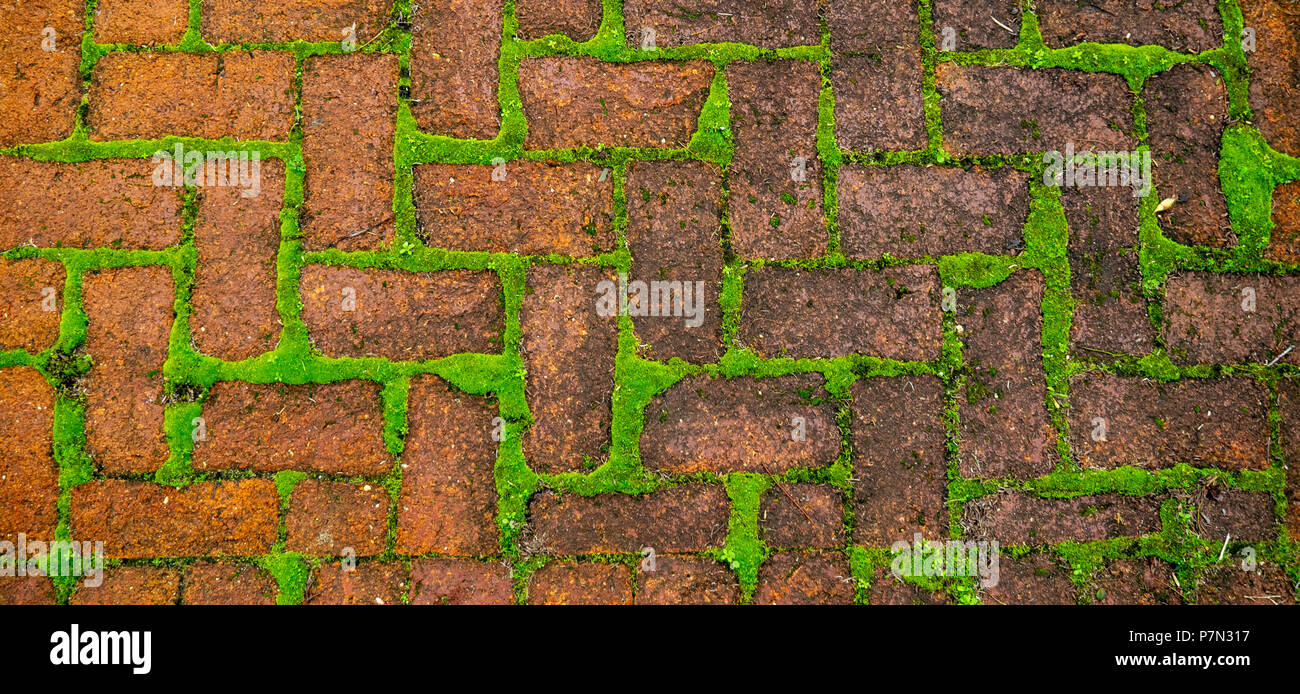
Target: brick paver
[
  {"x": 977, "y": 25},
  {"x": 681, "y": 519},
  {"x": 235, "y": 21},
  {"x": 798, "y": 578},
  {"x": 454, "y": 67},
  {"x": 369, "y": 583},
  {"x": 1024, "y": 520},
  {"x": 584, "y": 583},
  {"x": 41, "y": 87},
  {"x": 683, "y": 580},
  {"x": 1274, "y": 73},
  {"x": 31, "y": 303},
  {"x": 772, "y": 24},
  {"x": 227, "y": 583},
  {"x": 29, "y": 486},
  {"x": 1215, "y": 318},
  {"x": 444, "y": 581},
  {"x": 141, "y": 22},
  {"x": 1284, "y": 242},
  {"x": 1110, "y": 312},
  {"x": 577, "y": 19},
  {"x": 1191, "y": 26}
]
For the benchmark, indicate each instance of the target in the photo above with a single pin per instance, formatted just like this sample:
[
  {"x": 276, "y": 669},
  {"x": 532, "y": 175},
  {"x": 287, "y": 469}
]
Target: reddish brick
[
  {"x": 776, "y": 173},
  {"x": 531, "y": 208},
  {"x": 863, "y": 26},
  {"x": 1009, "y": 110},
  {"x": 141, "y": 22},
  {"x": 583, "y": 101},
  {"x": 336, "y": 428},
  {"x": 238, "y": 21},
  {"x": 977, "y": 25},
  {"x": 889, "y": 589},
  {"x": 1146, "y": 581},
  {"x": 891, "y": 313},
  {"x": 1284, "y": 242},
  {"x": 900, "y": 477},
  {"x": 1275, "y": 71},
  {"x": 237, "y": 238},
  {"x": 454, "y": 73},
  {"x": 812, "y": 515},
  {"x": 442, "y": 581},
  {"x": 769, "y": 24},
  {"x": 139, "y": 520},
  {"x": 129, "y": 312},
  {"x": 400, "y": 315},
  {"x": 1035, "y": 579},
  {"x": 577, "y": 19},
  {"x": 448, "y": 503},
  {"x": 1148, "y": 424},
  {"x": 1187, "y": 111},
  {"x": 349, "y": 103},
  {"x": 673, "y": 220},
  {"x": 1209, "y": 318},
  {"x": 331, "y": 518},
  {"x": 108, "y": 202},
  {"x": 569, "y": 351},
  {"x": 1229, "y": 584},
  {"x": 368, "y": 583},
  {"x": 914, "y": 211},
  {"x": 771, "y": 425},
  {"x": 1246, "y": 516},
  {"x": 678, "y": 580},
  {"x": 31, "y": 303},
  {"x": 228, "y": 583},
  {"x": 131, "y": 585},
  {"x": 26, "y": 590},
  {"x": 247, "y": 95},
  {"x": 29, "y": 477},
  {"x": 878, "y": 101},
  {"x": 1110, "y": 313},
  {"x": 42, "y": 88},
  {"x": 1013, "y": 518},
  {"x": 1189, "y": 26},
  {"x": 566, "y": 583},
  {"x": 1005, "y": 430},
  {"x": 690, "y": 518},
  {"x": 1288, "y": 397},
  {"x": 797, "y": 578}
]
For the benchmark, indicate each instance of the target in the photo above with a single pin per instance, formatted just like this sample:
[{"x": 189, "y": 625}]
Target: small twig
[
  {"x": 1225, "y": 545},
  {"x": 367, "y": 230},
  {"x": 995, "y": 19},
  {"x": 786, "y": 492},
  {"x": 1279, "y": 357}
]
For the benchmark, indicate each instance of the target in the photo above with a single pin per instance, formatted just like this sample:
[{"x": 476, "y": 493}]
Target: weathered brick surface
[
  {"x": 141, "y": 22},
  {"x": 776, "y": 173},
  {"x": 679, "y": 580},
  {"x": 798, "y": 578},
  {"x": 337, "y": 518},
  {"x": 1007, "y": 110},
  {"x": 443, "y": 581},
  {"x": 247, "y": 95},
  {"x": 42, "y": 88},
  {"x": 1145, "y": 581},
  {"x": 1110, "y": 313},
  {"x": 1119, "y": 420},
  {"x": 1035, "y": 579},
  {"x": 368, "y": 583},
  {"x": 1005, "y": 430},
  {"x": 1284, "y": 242},
  {"x": 108, "y": 202},
  {"x": 914, "y": 211},
  {"x": 1274, "y": 71},
  {"x": 681, "y": 519},
  {"x": 865, "y": 26},
  {"x": 802, "y": 515},
  {"x": 569, "y": 350},
  {"x": 577, "y": 19},
  {"x": 888, "y": 589},
  {"x": 29, "y": 481},
  {"x": 532, "y": 208},
  {"x": 227, "y": 583},
  {"x": 454, "y": 70},
  {"x": 719, "y": 425},
  {"x": 1228, "y": 584},
  {"x": 900, "y": 477},
  {"x": 1013, "y": 518},
  {"x": 891, "y": 313},
  {"x": 236, "y": 21},
  {"x": 1246, "y": 516},
  {"x": 448, "y": 502},
  {"x": 349, "y": 103},
  {"x": 878, "y": 101},
  {"x": 26, "y": 590},
  {"x": 1208, "y": 321},
  {"x": 139, "y": 520},
  {"x": 977, "y": 25},
  {"x": 131, "y": 585},
  {"x": 567, "y": 583},
  {"x": 769, "y": 24},
  {"x": 129, "y": 312},
  {"x": 1288, "y": 403},
  {"x": 31, "y": 303},
  {"x": 1190, "y": 26}
]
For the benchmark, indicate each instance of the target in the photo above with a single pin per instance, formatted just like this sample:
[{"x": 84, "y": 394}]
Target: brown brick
[
  {"x": 1288, "y": 403},
  {"x": 141, "y": 22},
  {"x": 673, "y": 220},
  {"x": 1229, "y": 584},
  {"x": 335, "y": 428},
  {"x": 454, "y": 73},
  {"x": 237, "y": 238},
  {"x": 878, "y": 101},
  {"x": 797, "y": 578},
  {"x": 238, "y": 21},
  {"x": 1274, "y": 71},
  {"x": 443, "y": 581},
  {"x": 859, "y": 26},
  {"x": 977, "y": 25},
  {"x": 577, "y": 19},
  {"x": 900, "y": 477},
  {"x": 1013, "y": 518},
  {"x": 400, "y": 315},
  {"x": 42, "y": 88},
  {"x": 1207, "y": 320},
  {"x": 569, "y": 351},
  {"x": 1187, "y": 111},
  {"x": 812, "y": 515},
  {"x": 1246, "y": 516},
  {"x": 29, "y": 477},
  {"x": 583, "y": 101},
  {"x": 140, "y": 520},
  {"x": 1145, "y": 581},
  {"x": 1034, "y": 579},
  {"x": 769, "y": 24},
  {"x": 533, "y": 208},
  {"x": 349, "y": 103},
  {"x": 368, "y": 583},
  {"x": 888, "y": 589},
  {"x": 914, "y": 211},
  {"x": 690, "y": 518},
  {"x": 1284, "y": 242},
  {"x": 331, "y": 518},
  {"x": 743, "y": 424},
  {"x": 776, "y": 173},
  {"x": 565, "y": 583},
  {"x": 1190, "y": 26},
  {"x": 228, "y": 583},
  {"x": 1005, "y": 430},
  {"x": 31, "y": 303},
  {"x": 1110, "y": 313},
  {"x": 1009, "y": 110},
  {"x": 131, "y": 585},
  {"x": 26, "y": 590},
  {"x": 247, "y": 95},
  {"x": 1120, "y": 420},
  {"x": 107, "y": 202},
  {"x": 891, "y": 313},
  {"x": 448, "y": 503},
  {"x": 129, "y": 312},
  {"x": 678, "y": 580}
]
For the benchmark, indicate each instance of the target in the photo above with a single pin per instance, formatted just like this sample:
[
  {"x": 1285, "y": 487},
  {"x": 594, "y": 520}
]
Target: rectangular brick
[
  {"x": 891, "y": 313},
  {"x": 689, "y": 518},
  {"x": 455, "y": 45},
  {"x": 583, "y": 101},
  {"x": 580, "y": 583},
  {"x": 31, "y": 303},
  {"x": 799, "y": 578},
  {"x": 526, "y": 207},
  {"x": 1190, "y": 26},
  {"x": 246, "y": 95},
  {"x": 776, "y": 172},
  {"x": 577, "y": 19},
  {"x": 107, "y": 202},
  {"x": 867, "y": 26},
  {"x": 1246, "y": 516},
  {"x": 129, "y": 313},
  {"x": 1288, "y": 403},
  {"x": 1144, "y": 581},
  {"x": 769, "y": 24},
  {"x": 26, "y": 590},
  {"x": 132, "y": 585},
  {"x": 400, "y": 315},
  {"x": 1118, "y": 420},
  {"x": 976, "y": 25},
  {"x": 878, "y": 101},
  {"x": 331, "y": 519},
  {"x": 368, "y": 583},
  {"x": 1013, "y": 518},
  {"x": 686, "y": 580},
  {"x": 138, "y": 520},
  {"x": 1274, "y": 71},
  {"x": 42, "y": 88},
  {"x": 914, "y": 211},
  {"x": 742, "y": 424},
  {"x": 888, "y": 589},
  {"x": 446, "y": 581},
  {"x": 1228, "y": 584},
  {"x": 1110, "y": 312},
  {"x": 349, "y": 107},
  {"x": 227, "y": 583},
  {"x": 141, "y": 22},
  {"x": 1215, "y": 318},
  {"x": 802, "y": 515},
  {"x": 240, "y": 21},
  {"x": 1033, "y": 579},
  {"x": 29, "y": 477},
  {"x": 1284, "y": 241}
]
